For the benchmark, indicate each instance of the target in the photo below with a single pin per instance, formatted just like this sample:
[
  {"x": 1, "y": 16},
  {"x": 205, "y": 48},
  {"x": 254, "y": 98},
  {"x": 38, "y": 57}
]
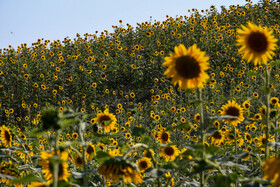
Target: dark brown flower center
[
  {"x": 90, "y": 149},
  {"x": 7, "y": 136},
  {"x": 104, "y": 118},
  {"x": 79, "y": 160},
  {"x": 233, "y": 111},
  {"x": 169, "y": 151},
  {"x": 217, "y": 135},
  {"x": 143, "y": 164},
  {"x": 257, "y": 42},
  {"x": 187, "y": 67},
  {"x": 164, "y": 136}
]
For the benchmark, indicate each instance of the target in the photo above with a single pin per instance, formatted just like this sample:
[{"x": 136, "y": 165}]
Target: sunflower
[
  {"x": 274, "y": 101},
  {"x": 6, "y": 136},
  {"x": 78, "y": 160},
  {"x": 163, "y": 137},
  {"x": 144, "y": 163},
  {"x": 217, "y": 138},
  {"x": 148, "y": 153},
  {"x": 90, "y": 151},
  {"x": 257, "y": 43},
  {"x": 169, "y": 153},
  {"x": 234, "y": 110},
  {"x": 106, "y": 120},
  {"x": 112, "y": 169},
  {"x": 186, "y": 67},
  {"x": 63, "y": 172},
  {"x": 271, "y": 170}
]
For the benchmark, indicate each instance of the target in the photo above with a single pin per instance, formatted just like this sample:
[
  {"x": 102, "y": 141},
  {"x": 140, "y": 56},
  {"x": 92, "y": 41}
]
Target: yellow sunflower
[
  {"x": 169, "y": 153},
  {"x": 144, "y": 163},
  {"x": 90, "y": 151},
  {"x": 234, "y": 111},
  {"x": 257, "y": 43},
  {"x": 217, "y": 138},
  {"x": 113, "y": 168},
  {"x": 6, "y": 136},
  {"x": 63, "y": 172},
  {"x": 186, "y": 67},
  {"x": 272, "y": 170},
  {"x": 163, "y": 137},
  {"x": 106, "y": 120},
  {"x": 78, "y": 160}
]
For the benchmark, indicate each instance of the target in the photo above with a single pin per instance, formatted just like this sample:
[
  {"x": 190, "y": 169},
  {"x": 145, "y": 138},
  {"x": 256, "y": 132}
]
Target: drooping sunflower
[
  {"x": 234, "y": 111},
  {"x": 187, "y": 67},
  {"x": 114, "y": 168},
  {"x": 6, "y": 136},
  {"x": 106, "y": 120},
  {"x": 163, "y": 137},
  {"x": 271, "y": 170},
  {"x": 169, "y": 153},
  {"x": 256, "y": 43},
  {"x": 144, "y": 163},
  {"x": 48, "y": 167}
]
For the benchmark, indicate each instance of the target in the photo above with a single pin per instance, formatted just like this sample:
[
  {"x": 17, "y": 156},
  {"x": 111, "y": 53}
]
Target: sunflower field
[{"x": 189, "y": 101}]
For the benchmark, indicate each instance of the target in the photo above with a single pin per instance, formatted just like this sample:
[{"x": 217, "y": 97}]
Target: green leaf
[
  {"x": 156, "y": 172},
  {"x": 275, "y": 63},
  {"x": 221, "y": 181},
  {"x": 101, "y": 156},
  {"x": 105, "y": 140},
  {"x": 265, "y": 90},
  {"x": 139, "y": 131},
  {"x": 27, "y": 178},
  {"x": 253, "y": 73},
  {"x": 181, "y": 126},
  {"x": 106, "y": 123}
]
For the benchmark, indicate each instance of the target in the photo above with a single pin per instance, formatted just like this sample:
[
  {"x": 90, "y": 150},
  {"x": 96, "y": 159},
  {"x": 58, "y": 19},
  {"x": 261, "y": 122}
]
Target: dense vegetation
[{"x": 53, "y": 94}]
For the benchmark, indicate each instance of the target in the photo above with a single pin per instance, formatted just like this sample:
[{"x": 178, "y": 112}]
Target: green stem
[
  {"x": 202, "y": 181},
  {"x": 267, "y": 79},
  {"x": 81, "y": 134}
]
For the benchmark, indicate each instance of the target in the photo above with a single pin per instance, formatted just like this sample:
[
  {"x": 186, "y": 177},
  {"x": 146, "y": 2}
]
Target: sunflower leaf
[
  {"x": 181, "y": 126},
  {"x": 27, "y": 178},
  {"x": 156, "y": 172},
  {"x": 101, "y": 156},
  {"x": 139, "y": 131},
  {"x": 275, "y": 63}
]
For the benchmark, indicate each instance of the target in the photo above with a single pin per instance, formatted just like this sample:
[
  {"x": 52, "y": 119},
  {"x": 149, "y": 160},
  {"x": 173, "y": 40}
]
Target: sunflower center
[
  {"x": 60, "y": 169},
  {"x": 258, "y": 42},
  {"x": 164, "y": 136},
  {"x": 233, "y": 111},
  {"x": 143, "y": 164},
  {"x": 90, "y": 149},
  {"x": 104, "y": 118},
  {"x": 79, "y": 160},
  {"x": 187, "y": 67},
  {"x": 7, "y": 136},
  {"x": 217, "y": 135},
  {"x": 169, "y": 151}
]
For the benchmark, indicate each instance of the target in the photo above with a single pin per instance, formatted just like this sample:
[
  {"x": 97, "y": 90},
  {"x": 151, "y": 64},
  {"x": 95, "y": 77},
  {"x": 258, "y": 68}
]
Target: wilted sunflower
[
  {"x": 106, "y": 120},
  {"x": 272, "y": 170},
  {"x": 63, "y": 172},
  {"x": 144, "y": 164},
  {"x": 234, "y": 110},
  {"x": 6, "y": 136},
  {"x": 163, "y": 137},
  {"x": 169, "y": 153},
  {"x": 186, "y": 67},
  {"x": 257, "y": 43},
  {"x": 112, "y": 169}
]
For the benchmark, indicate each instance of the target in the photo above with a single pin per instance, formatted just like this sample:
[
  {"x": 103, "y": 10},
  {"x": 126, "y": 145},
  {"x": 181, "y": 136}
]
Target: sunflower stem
[
  {"x": 84, "y": 155},
  {"x": 202, "y": 181},
  {"x": 267, "y": 81}
]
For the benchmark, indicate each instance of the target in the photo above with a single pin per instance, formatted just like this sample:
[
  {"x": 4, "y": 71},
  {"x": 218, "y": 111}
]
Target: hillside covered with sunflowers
[{"x": 189, "y": 101}]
